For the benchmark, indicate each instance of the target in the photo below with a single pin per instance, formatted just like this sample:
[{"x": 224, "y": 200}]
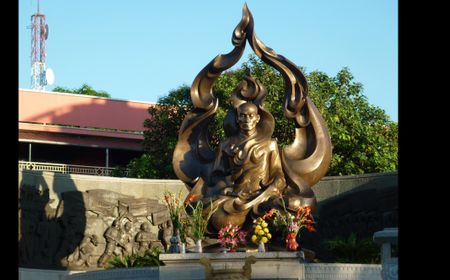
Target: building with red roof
[{"x": 66, "y": 130}]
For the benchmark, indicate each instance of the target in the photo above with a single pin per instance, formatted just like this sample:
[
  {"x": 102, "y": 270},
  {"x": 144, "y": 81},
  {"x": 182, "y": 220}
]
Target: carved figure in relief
[
  {"x": 112, "y": 236},
  {"x": 144, "y": 238},
  {"x": 86, "y": 250},
  {"x": 126, "y": 239}
]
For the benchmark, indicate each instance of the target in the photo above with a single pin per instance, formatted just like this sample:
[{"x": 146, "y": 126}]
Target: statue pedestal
[{"x": 269, "y": 265}]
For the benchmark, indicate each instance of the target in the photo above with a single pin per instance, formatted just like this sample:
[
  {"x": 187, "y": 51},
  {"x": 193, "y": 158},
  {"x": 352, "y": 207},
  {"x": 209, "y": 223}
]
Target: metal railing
[{"x": 65, "y": 168}]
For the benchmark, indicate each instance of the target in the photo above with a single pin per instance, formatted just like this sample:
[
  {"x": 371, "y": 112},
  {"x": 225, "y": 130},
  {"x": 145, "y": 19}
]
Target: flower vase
[
  {"x": 291, "y": 241},
  {"x": 174, "y": 244},
  {"x": 261, "y": 247},
  {"x": 183, "y": 248},
  {"x": 198, "y": 246}
]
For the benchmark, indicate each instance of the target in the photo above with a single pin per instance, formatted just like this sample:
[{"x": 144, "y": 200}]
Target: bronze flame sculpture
[{"x": 248, "y": 174}]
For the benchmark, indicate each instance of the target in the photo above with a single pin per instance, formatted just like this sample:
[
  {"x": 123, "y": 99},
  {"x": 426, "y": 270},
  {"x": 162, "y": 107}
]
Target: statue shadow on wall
[{"x": 50, "y": 231}]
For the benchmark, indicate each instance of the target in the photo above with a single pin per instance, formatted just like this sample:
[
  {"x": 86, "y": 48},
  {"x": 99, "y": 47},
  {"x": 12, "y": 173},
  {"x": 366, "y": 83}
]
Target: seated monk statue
[
  {"x": 245, "y": 176},
  {"x": 248, "y": 174},
  {"x": 247, "y": 170},
  {"x": 248, "y": 162}
]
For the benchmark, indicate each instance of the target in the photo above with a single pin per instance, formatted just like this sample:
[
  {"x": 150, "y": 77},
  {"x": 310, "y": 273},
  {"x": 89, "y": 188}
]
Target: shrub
[
  {"x": 352, "y": 250},
  {"x": 149, "y": 258}
]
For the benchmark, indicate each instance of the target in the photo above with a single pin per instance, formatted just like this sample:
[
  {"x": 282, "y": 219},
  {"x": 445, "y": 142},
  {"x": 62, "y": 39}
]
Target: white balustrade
[{"x": 66, "y": 168}]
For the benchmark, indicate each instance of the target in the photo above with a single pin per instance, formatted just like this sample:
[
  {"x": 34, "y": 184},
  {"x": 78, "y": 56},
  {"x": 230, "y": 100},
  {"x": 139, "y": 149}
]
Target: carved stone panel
[{"x": 88, "y": 228}]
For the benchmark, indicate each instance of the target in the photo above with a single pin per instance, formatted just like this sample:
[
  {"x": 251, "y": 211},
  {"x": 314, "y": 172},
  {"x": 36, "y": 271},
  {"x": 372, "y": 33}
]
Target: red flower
[
  {"x": 189, "y": 199},
  {"x": 269, "y": 213},
  {"x": 310, "y": 228},
  {"x": 167, "y": 199},
  {"x": 307, "y": 210}
]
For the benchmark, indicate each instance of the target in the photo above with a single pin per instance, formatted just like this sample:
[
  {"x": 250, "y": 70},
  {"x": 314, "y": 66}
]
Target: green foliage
[
  {"x": 161, "y": 135},
  {"x": 120, "y": 171},
  {"x": 84, "y": 89},
  {"x": 144, "y": 167},
  {"x": 352, "y": 250},
  {"x": 364, "y": 139},
  {"x": 199, "y": 222},
  {"x": 149, "y": 258}
]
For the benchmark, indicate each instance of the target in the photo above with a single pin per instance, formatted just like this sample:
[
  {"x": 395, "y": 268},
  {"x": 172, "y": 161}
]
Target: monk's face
[{"x": 248, "y": 116}]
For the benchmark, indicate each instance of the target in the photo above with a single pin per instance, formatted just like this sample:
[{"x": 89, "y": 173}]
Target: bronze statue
[{"x": 249, "y": 174}]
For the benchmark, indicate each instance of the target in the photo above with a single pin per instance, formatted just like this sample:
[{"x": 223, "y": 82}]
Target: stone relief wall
[{"x": 88, "y": 228}]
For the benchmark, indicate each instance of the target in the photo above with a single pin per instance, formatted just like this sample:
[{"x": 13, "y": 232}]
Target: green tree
[
  {"x": 364, "y": 139},
  {"x": 161, "y": 136},
  {"x": 84, "y": 89}
]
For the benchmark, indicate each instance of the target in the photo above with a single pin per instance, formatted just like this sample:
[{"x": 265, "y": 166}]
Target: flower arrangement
[
  {"x": 261, "y": 232},
  {"x": 199, "y": 218},
  {"x": 232, "y": 237},
  {"x": 176, "y": 212},
  {"x": 291, "y": 225}
]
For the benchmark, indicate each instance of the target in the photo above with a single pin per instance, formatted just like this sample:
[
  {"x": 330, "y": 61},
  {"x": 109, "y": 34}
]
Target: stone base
[
  {"x": 317, "y": 271},
  {"x": 269, "y": 265}
]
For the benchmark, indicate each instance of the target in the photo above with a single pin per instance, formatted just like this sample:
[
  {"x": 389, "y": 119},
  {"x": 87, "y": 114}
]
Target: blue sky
[{"x": 141, "y": 49}]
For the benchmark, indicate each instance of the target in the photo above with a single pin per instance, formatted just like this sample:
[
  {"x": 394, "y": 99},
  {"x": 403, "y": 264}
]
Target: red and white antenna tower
[{"x": 39, "y": 34}]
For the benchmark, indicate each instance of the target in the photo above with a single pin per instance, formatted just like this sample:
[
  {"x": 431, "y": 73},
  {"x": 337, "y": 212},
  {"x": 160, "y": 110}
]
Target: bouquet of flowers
[
  {"x": 291, "y": 225},
  {"x": 232, "y": 237},
  {"x": 177, "y": 213},
  {"x": 199, "y": 217},
  {"x": 261, "y": 232}
]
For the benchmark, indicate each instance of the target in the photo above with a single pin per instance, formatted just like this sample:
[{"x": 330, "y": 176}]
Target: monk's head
[{"x": 247, "y": 116}]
